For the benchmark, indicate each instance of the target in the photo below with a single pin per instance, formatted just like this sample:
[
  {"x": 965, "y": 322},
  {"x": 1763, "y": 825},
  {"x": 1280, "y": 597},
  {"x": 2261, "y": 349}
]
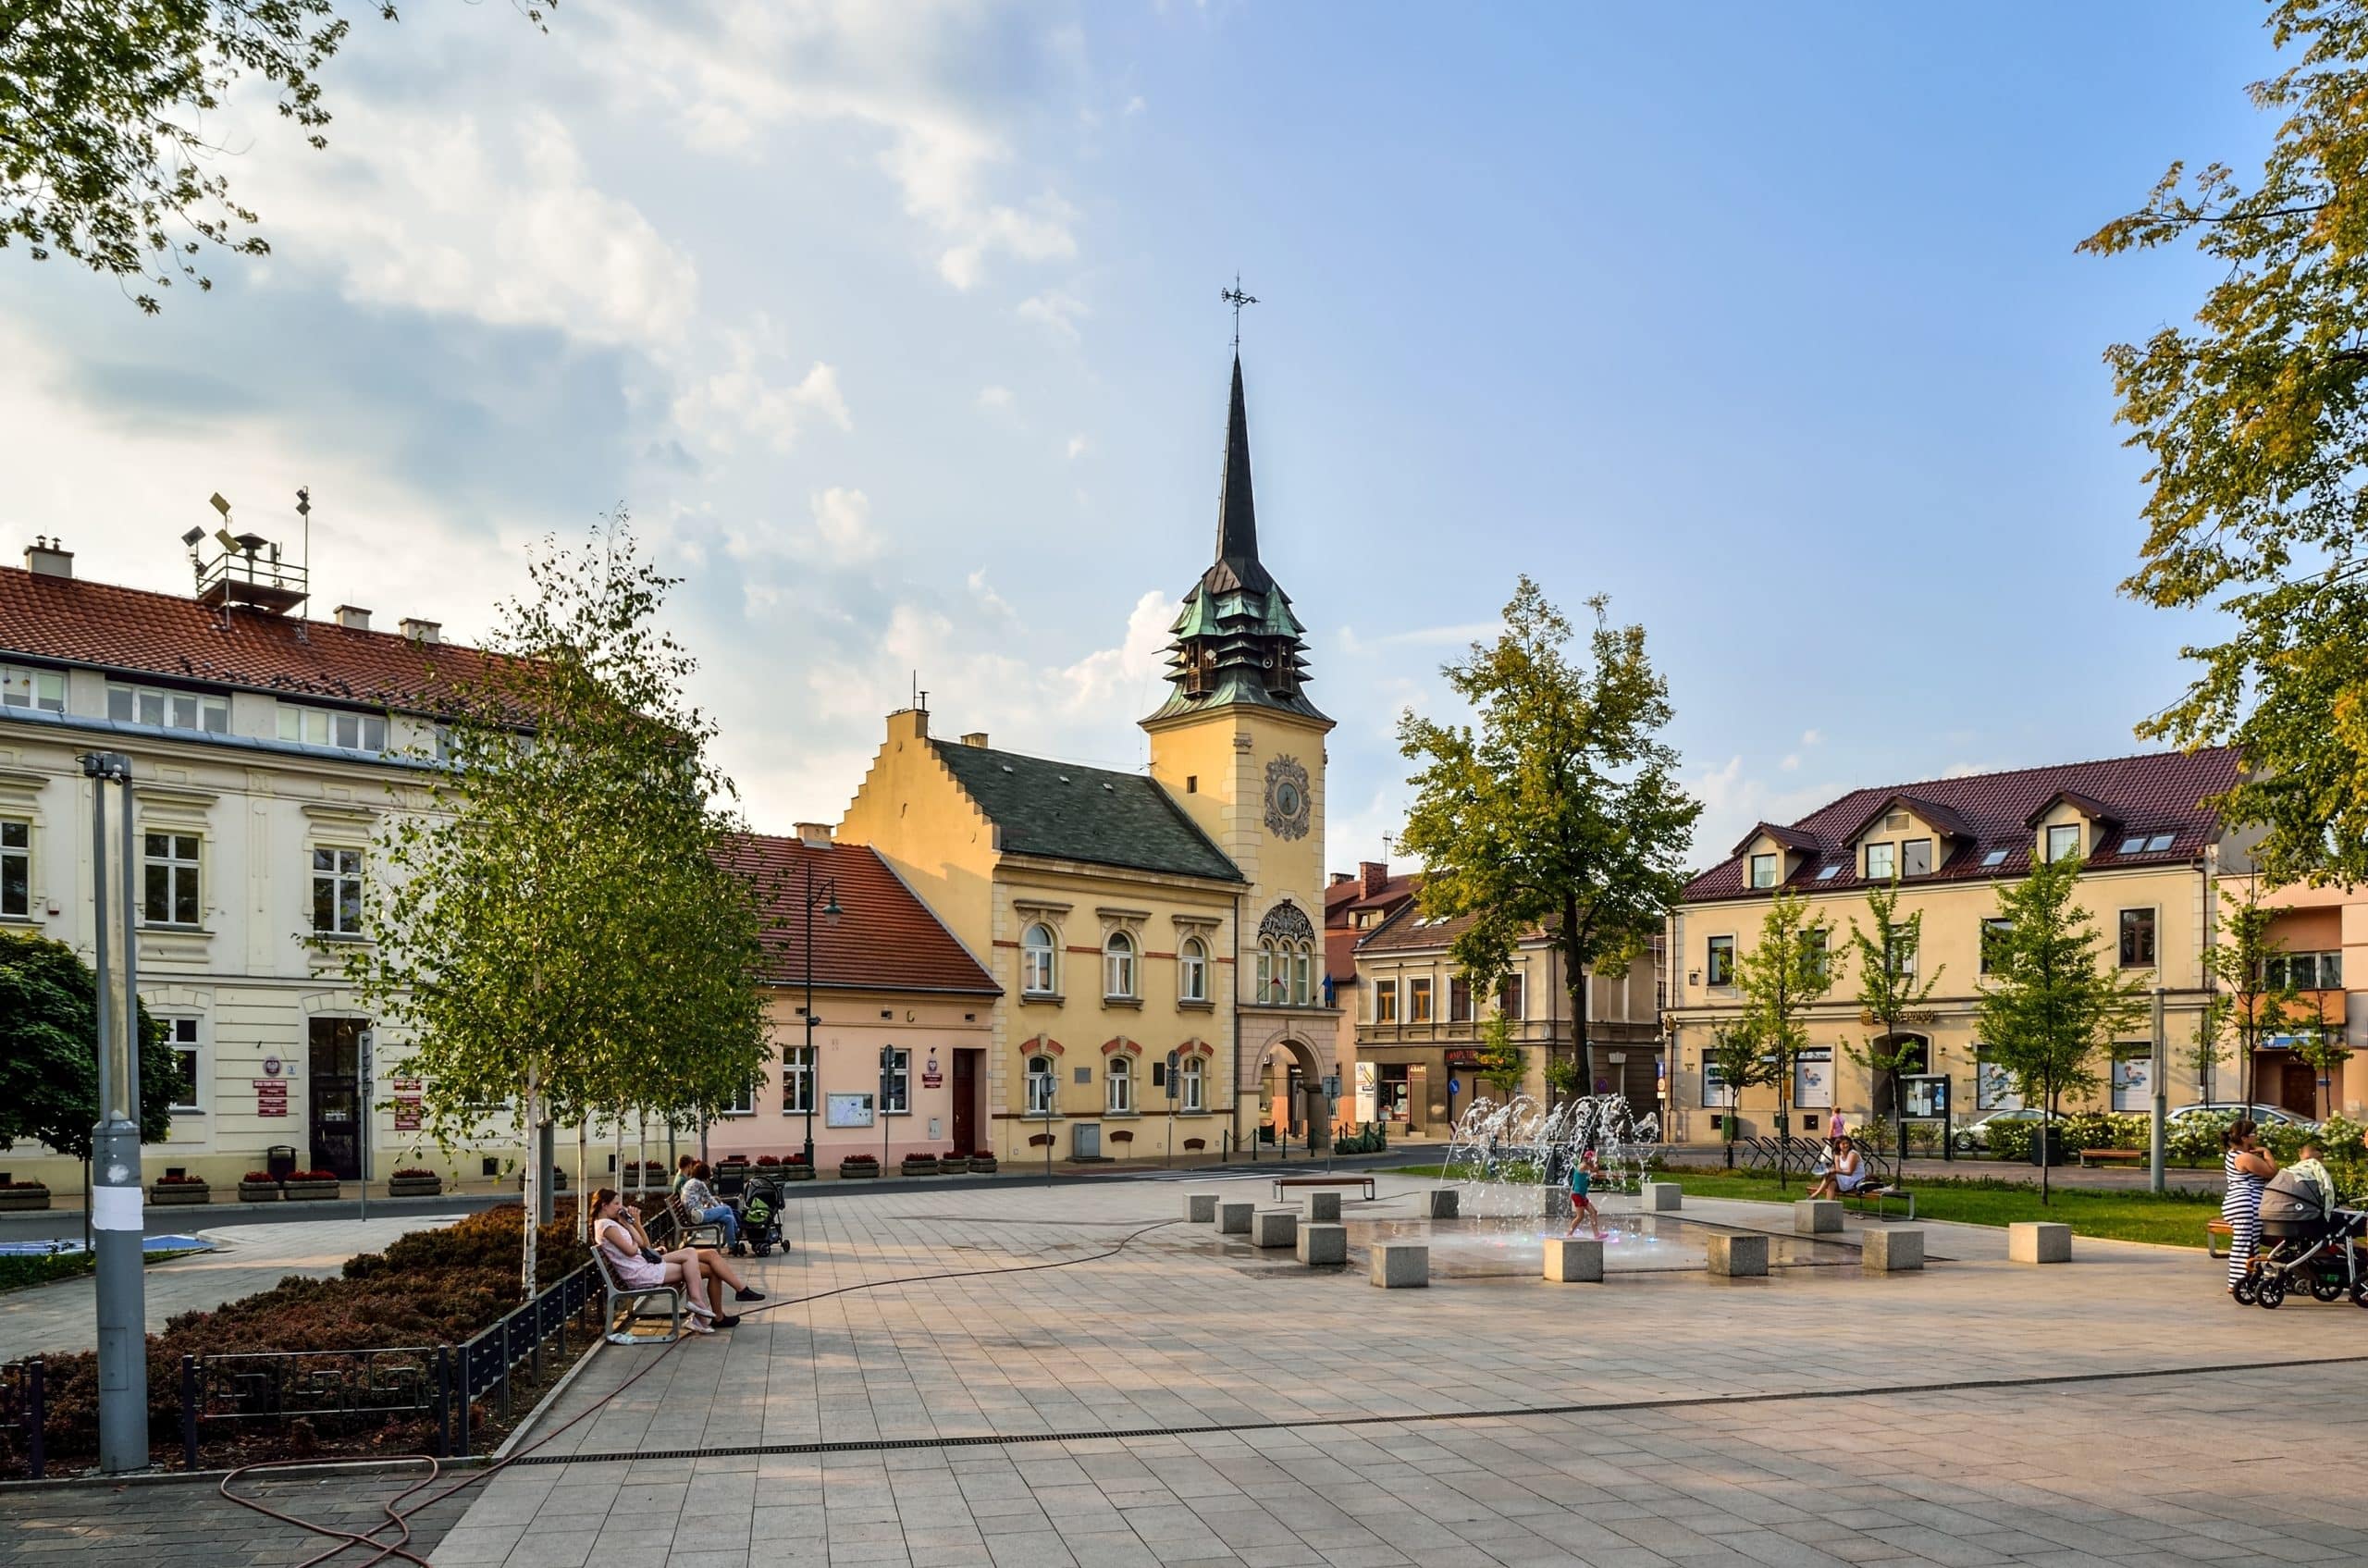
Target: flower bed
[
  {"x": 17, "y": 1196},
  {"x": 982, "y": 1163},
  {"x": 308, "y": 1185},
  {"x": 858, "y": 1167},
  {"x": 415, "y": 1182},
  {"x": 258, "y": 1187},
  {"x": 920, "y": 1164},
  {"x": 169, "y": 1190},
  {"x": 796, "y": 1168},
  {"x": 952, "y": 1164}
]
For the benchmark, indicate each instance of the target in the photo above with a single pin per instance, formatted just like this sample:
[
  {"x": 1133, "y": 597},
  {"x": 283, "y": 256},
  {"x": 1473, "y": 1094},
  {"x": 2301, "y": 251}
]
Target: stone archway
[{"x": 1288, "y": 1084}]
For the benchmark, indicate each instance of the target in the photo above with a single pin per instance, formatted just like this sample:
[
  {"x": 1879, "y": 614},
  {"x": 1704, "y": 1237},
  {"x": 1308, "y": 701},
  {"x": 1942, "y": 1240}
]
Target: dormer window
[
  {"x": 1882, "y": 862},
  {"x": 1763, "y": 871},
  {"x": 2063, "y": 842},
  {"x": 1915, "y": 857}
]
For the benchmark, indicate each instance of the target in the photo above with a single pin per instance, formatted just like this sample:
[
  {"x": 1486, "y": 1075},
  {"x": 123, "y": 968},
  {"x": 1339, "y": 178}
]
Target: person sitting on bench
[
  {"x": 701, "y": 1271},
  {"x": 1849, "y": 1172},
  {"x": 701, "y": 1201}
]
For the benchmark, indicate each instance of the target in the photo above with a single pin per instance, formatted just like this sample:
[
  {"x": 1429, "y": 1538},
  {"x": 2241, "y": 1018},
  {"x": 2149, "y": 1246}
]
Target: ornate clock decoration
[{"x": 1287, "y": 806}]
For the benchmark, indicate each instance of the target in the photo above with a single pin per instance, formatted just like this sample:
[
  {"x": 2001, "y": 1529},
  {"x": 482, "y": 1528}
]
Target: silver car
[
  {"x": 1975, "y": 1134},
  {"x": 2259, "y": 1112}
]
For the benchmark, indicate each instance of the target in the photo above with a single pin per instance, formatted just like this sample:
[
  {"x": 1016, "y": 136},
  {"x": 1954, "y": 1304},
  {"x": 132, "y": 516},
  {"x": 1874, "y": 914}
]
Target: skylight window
[
  {"x": 2133, "y": 844},
  {"x": 1995, "y": 858},
  {"x": 2161, "y": 841},
  {"x": 1829, "y": 874}
]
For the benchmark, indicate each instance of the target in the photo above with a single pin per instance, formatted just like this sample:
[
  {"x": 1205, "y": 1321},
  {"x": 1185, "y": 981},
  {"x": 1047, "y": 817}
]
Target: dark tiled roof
[
  {"x": 1091, "y": 814},
  {"x": 1777, "y": 831},
  {"x": 2158, "y": 793},
  {"x": 886, "y": 938},
  {"x": 2087, "y": 804},
  {"x": 1942, "y": 819},
  {"x": 138, "y": 632}
]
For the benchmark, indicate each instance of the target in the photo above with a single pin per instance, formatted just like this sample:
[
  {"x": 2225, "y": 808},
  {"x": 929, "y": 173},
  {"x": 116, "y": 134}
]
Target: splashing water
[{"x": 1509, "y": 1154}]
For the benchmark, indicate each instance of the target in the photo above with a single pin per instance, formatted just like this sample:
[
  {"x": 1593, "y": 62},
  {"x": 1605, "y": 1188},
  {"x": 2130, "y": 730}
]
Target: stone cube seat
[
  {"x": 1660, "y": 1197},
  {"x": 1893, "y": 1250},
  {"x": 1200, "y": 1208},
  {"x": 1441, "y": 1203},
  {"x": 1817, "y": 1216},
  {"x": 1233, "y": 1218},
  {"x": 1573, "y": 1260},
  {"x": 1320, "y": 1244},
  {"x": 1739, "y": 1255},
  {"x": 1323, "y": 1209},
  {"x": 2033, "y": 1241},
  {"x": 1273, "y": 1227},
  {"x": 1397, "y": 1265}
]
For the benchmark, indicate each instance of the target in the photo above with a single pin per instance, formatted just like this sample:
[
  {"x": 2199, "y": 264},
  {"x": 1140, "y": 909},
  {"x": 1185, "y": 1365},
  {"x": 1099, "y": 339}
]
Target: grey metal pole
[
  {"x": 362, "y": 1114},
  {"x": 546, "y": 1151},
  {"x": 116, "y": 1216},
  {"x": 2162, "y": 1085}
]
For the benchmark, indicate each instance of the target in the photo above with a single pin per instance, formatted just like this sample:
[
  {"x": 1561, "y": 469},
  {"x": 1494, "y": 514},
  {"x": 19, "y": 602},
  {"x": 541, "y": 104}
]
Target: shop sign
[
  {"x": 931, "y": 1077},
  {"x": 271, "y": 1097}
]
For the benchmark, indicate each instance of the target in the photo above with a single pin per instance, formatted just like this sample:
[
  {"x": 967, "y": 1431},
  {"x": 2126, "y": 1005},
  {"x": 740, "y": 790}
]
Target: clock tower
[{"x": 1239, "y": 748}]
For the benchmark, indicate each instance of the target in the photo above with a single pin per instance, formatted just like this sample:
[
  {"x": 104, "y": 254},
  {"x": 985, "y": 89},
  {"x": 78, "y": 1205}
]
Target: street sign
[
  {"x": 1331, "y": 1085},
  {"x": 1454, "y": 1085}
]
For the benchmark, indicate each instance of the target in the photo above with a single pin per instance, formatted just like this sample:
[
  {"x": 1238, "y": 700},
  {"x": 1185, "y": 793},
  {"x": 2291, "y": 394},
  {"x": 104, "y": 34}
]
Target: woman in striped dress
[{"x": 2246, "y": 1166}]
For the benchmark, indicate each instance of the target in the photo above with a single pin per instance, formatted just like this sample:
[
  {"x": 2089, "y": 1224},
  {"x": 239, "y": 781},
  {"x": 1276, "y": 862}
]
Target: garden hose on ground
[{"x": 399, "y": 1509}]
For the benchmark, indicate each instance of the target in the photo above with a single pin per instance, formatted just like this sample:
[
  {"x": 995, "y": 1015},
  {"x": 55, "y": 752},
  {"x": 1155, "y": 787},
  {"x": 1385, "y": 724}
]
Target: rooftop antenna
[
  {"x": 1237, "y": 299},
  {"x": 304, "y": 510}
]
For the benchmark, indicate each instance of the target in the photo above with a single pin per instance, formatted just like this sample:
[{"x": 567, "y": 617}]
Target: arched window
[
  {"x": 1040, "y": 1083},
  {"x": 1119, "y": 965},
  {"x": 1192, "y": 971},
  {"x": 1303, "y": 974},
  {"x": 1188, "y": 1070},
  {"x": 1266, "y": 991},
  {"x": 1286, "y": 957},
  {"x": 1036, "y": 949},
  {"x": 1121, "y": 1078}
]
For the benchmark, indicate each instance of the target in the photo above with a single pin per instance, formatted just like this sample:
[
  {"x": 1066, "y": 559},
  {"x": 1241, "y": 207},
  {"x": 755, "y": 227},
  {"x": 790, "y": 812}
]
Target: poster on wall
[
  {"x": 1368, "y": 1091},
  {"x": 2133, "y": 1082},
  {"x": 1994, "y": 1088},
  {"x": 846, "y": 1110},
  {"x": 1813, "y": 1078}
]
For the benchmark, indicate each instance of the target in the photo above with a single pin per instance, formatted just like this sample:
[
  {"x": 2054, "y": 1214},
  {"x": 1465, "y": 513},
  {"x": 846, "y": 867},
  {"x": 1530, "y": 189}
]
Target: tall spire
[{"x": 1237, "y": 509}]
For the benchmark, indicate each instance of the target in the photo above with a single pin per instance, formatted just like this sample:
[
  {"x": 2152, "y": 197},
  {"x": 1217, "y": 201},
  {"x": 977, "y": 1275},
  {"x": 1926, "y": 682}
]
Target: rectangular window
[
  {"x": 1763, "y": 871},
  {"x": 42, "y": 690},
  {"x": 1995, "y": 933},
  {"x": 1903, "y": 955},
  {"x": 16, "y": 869},
  {"x": 1121, "y": 1081},
  {"x": 1715, "y": 1094},
  {"x": 181, "y": 1038},
  {"x": 1418, "y": 999},
  {"x": 797, "y": 1080},
  {"x": 1721, "y": 969},
  {"x": 2304, "y": 971},
  {"x": 744, "y": 1102},
  {"x": 1043, "y": 1083},
  {"x": 332, "y": 727},
  {"x": 1514, "y": 1000},
  {"x": 895, "y": 1081},
  {"x": 1882, "y": 862},
  {"x": 1818, "y": 940},
  {"x": 1994, "y": 1086},
  {"x": 169, "y": 894},
  {"x": 1188, "y": 1070},
  {"x": 1458, "y": 999},
  {"x": 337, "y": 892},
  {"x": 2063, "y": 842},
  {"x": 168, "y": 710},
  {"x": 2138, "y": 939},
  {"x": 1385, "y": 1001},
  {"x": 1915, "y": 857}
]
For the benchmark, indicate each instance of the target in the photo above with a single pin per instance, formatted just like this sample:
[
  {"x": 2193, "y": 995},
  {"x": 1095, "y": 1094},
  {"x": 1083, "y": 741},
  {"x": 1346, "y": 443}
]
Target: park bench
[
  {"x": 689, "y": 1229},
  {"x": 623, "y": 1307},
  {"x": 2219, "y": 1237},
  {"x": 1874, "y": 1196},
  {"x": 1363, "y": 1181},
  {"x": 2110, "y": 1156}
]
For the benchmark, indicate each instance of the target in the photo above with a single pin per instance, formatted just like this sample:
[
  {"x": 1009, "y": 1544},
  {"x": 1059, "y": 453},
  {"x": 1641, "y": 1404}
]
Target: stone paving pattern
[{"x": 1186, "y": 1329}]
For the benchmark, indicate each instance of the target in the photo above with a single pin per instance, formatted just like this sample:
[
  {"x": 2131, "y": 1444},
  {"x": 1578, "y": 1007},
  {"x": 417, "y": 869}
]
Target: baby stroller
[
  {"x": 2306, "y": 1244},
  {"x": 760, "y": 1215}
]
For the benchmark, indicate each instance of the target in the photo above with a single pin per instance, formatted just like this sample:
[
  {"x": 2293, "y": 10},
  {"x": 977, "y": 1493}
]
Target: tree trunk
[
  {"x": 533, "y": 1191},
  {"x": 2047, "y": 1148}
]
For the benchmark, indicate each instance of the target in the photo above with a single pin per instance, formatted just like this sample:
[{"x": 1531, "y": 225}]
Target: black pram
[{"x": 2307, "y": 1243}]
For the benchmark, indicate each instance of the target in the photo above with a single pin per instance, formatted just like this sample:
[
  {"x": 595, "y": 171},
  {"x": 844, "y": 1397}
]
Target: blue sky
[{"x": 898, "y": 329}]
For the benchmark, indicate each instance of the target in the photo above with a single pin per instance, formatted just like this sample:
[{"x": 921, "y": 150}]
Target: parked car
[
  {"x": 1975, "y": 1134},
  {"x": 2259, "y": 1113}
]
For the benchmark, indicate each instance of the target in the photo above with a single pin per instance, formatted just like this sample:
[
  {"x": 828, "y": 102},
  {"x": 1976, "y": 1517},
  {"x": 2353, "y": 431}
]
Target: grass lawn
[
  {"x": 16, "y": 1272},
  {"x": 2173, "y": 1218}
]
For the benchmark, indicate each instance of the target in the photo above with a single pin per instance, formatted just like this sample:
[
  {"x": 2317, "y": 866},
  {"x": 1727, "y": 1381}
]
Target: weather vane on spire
[{"x": 1237, "y": 299}]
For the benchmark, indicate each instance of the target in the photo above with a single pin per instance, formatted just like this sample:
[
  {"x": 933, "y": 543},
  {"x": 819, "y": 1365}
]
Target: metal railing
[{"x": 23, "y": 1408}]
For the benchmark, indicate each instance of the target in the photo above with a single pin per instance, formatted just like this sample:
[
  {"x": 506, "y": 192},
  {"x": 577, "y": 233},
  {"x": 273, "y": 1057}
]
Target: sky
[{"x": 896, "y": 331}]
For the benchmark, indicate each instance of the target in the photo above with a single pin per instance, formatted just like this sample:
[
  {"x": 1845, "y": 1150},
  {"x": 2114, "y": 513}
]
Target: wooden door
[{"x": 966, "y": 1102}]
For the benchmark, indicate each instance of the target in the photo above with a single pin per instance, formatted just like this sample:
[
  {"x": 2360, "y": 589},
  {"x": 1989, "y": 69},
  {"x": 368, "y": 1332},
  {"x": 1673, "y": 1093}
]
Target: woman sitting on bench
[
  {"x": 616, "y": 1230},
  {"x": 1849, "y": 1172}
]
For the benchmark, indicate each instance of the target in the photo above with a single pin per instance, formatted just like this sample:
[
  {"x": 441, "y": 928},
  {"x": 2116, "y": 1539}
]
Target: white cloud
[
  {"x": 1812, "y": 738},
  {"x": 843, "y": 530},
  {"x": 1057, "y": 309},
  {"x": 995, "y": 400},
  {"x": 716, "y": 409},
  {"x": 1135, "y": 106},
  {"x": 1963, "y": 769},
  {"x": 1732, "y": 802},
  {"x": 1418, "y": 637},
  {"x": 1790, "y": 763},
  {"x": 1077, "y": 447}
]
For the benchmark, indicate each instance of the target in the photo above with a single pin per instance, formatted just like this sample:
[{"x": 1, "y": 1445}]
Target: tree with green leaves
[
  {"x": 2320, "y": 1042},
  {"x": 1782, "y": 975},
  {"x": 2053, "y": 1002},
  {"x": 2237, "y": 961},
  {"x": 1561, "y": 811},
  {"x": 2255, "y": 428},
  {"x": 105, "y": 159},
  {"x": 1503, "y": 1065},
  {"x": 564, "y": 933},
  {"x": 1894, "y": 1000},
  {"x": 1735, "y": 1051},
  {"x": 49, "y": 1051}
]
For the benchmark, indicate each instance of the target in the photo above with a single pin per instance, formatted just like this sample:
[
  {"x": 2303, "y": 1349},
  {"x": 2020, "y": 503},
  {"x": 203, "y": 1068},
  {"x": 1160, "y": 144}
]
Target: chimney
[
  {"x": 353, "y": 618},
  {"x": 908, "y": 723},
  {"x": 976, "y": 738},
  {"x": 814, "y": 836},
  {"x": 1338, "y": 877},
  {"x": 422, "y": 631},
  {"x": 1371, "y": 874},
  {"x": 47, "y": 557}
]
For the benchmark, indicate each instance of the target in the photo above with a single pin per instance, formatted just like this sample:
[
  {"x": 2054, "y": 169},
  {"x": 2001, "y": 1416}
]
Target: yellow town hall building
[{"x": 1157, "y": 938}]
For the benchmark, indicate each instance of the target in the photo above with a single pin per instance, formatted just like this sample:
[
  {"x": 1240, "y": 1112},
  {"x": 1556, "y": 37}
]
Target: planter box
[
  {"x": 919, "y": 1167},
  {"x": 303, "y": 1191},
  {"x": 955, "y": 1165},
  {"x": 797, "y": 1173},
  {"x": 16, "y": 1199},
  {"x": 983, "y": 1167},
  {"x": 850, "y": 1172},
  {"x": 414, "y": 1186},
  {"x": 165, "y": 1195},
  {"x": 258, "y": 1192}
]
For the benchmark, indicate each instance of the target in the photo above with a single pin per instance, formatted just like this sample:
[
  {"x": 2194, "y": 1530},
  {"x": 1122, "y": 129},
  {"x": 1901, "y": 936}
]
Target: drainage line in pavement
[{"x": 1613, "y": 1407}]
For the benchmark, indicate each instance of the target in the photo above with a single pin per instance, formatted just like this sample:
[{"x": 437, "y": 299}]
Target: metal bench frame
[
  {"x": 689, "y": 1229},
  {"x": 613, "y": 1320},
  {"x": 1363, "y": 1181}
]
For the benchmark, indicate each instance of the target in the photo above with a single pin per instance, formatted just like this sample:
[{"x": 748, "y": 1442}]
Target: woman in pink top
[
  {"x": 701, "y": 1272},
  {"x": 1835, "y": 1127}
]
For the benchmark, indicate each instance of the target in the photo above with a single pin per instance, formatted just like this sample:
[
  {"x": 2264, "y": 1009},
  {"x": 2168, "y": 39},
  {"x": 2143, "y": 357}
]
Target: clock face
[{"x": 1286, "y": 799}]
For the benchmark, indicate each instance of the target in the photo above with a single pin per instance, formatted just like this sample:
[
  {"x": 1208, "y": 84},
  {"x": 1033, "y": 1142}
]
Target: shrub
[
  {"x": 313, "y": 1175},
  {"x": 412, "y": 1173},
  {"x": 859, "y": 1159},
  {"x": 765, "y": 1160},
  {"x": 182, "y": 1180},
  {"x": 2011, "y": 1139},
  {"x": 260, "y": 1178},
  {"x": 795, "y": 1159},
  {"x": 24, "y": 1186}
]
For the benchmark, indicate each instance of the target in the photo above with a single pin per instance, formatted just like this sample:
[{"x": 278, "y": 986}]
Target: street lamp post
[
  {"x": 116, "y": 1214},
  {"x": 826, "y": 893}
]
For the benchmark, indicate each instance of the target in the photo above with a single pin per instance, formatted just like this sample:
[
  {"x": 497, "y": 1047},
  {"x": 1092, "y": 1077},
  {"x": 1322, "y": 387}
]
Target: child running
[{"x": 1582, "y": 1176}]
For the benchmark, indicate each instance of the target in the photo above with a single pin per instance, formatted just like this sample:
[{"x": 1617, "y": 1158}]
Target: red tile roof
[
  {"x": 886, "y": 938},
  {"x": 138, "y": 632},
  {"x": 2158, "y": 793}
]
